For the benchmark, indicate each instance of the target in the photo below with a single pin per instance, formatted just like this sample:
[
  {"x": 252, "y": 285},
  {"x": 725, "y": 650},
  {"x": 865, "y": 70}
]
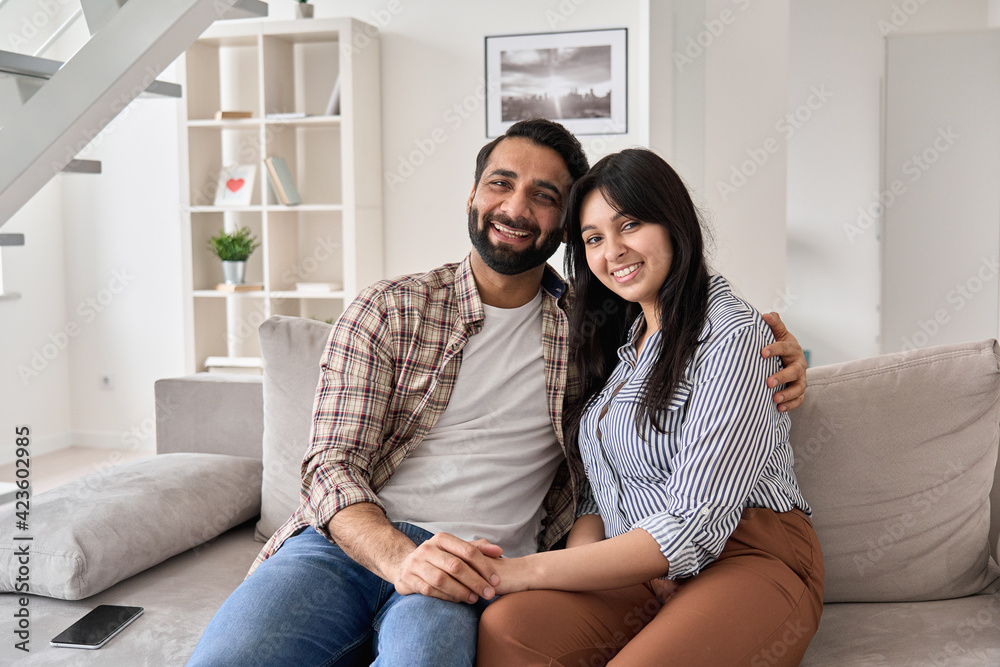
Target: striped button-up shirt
[
  {"x": 725, "y": 445},
  {"x": 387, "y": 375}
]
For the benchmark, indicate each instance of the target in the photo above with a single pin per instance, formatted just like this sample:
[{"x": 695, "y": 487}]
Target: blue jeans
[{"x": 310, "y": 604}]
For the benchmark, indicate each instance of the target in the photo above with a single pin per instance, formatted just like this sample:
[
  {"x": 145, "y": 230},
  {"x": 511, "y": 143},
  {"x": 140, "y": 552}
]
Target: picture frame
[
  {"x": 579, "y": 79},
  {"x": 235, "y": 187}
]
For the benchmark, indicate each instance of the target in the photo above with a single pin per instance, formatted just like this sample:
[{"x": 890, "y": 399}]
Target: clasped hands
[{"x": 452, "y": 569}]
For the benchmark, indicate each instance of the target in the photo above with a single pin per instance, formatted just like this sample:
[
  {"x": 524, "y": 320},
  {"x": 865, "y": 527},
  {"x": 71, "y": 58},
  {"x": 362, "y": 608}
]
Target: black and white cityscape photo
[{"x": 558, "y": 83}]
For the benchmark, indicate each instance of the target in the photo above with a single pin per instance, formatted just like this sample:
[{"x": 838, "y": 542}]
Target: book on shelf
[
  {"x": 333, "y": 105},
  {"x": 286, "y": 115},
  {"x": 242, "y": 287},
  {"x": 234, "y": 365},
  {"x": 232, "y": 115},
  {"x": 282, "y": 182}
]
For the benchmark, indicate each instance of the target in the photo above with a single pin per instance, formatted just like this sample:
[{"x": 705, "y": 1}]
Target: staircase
[{"x": 63, "y": 106}]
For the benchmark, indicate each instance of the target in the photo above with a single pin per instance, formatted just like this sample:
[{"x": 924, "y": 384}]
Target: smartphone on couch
[{"x": 96, "y": 628}]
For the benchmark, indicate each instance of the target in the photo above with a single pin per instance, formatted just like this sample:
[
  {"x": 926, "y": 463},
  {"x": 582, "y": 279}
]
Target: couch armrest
[{"x": 210, "y": 413}]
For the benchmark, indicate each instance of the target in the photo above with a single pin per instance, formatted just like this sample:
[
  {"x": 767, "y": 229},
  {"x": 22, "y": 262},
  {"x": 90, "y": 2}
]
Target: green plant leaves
[{"x": 235, "y": 247}]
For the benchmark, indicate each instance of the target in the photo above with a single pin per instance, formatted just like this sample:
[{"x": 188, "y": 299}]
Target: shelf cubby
[{"x": 335, "y": 235}]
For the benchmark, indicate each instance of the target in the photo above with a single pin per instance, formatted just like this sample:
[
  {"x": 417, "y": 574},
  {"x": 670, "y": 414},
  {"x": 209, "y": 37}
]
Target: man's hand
[
  {"x": 793, "y": 375},
  {"x": 444, "y": 566},
  {"x": 449, "y": 568}
]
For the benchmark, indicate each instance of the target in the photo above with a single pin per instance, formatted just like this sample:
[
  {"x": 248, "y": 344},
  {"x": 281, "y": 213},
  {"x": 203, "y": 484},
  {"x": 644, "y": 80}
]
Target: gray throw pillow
[
  {"x": 897, "y": 455},
  {"x": 291, "y": 349},
  {"x": 97, "y": 530}
]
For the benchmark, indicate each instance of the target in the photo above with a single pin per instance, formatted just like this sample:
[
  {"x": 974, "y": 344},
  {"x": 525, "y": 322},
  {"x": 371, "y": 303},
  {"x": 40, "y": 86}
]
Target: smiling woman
[{"x": 692, "y": 494}]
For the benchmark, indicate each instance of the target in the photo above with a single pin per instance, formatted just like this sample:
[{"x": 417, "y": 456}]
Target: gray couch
[{"x": 897, "y": 455}]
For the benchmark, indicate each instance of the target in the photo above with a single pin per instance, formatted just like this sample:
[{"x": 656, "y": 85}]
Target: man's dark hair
[{"x": 544, "y": 133}]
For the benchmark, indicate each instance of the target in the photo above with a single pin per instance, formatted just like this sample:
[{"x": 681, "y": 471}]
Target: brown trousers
[{"x": 758, "y": 605}]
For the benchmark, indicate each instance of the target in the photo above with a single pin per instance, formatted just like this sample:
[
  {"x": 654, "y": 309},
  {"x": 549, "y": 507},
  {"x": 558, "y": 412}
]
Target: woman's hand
[
  {"x": 793, "y": 375},
  {"x": 663, "y": 589},
  {"x": 516, "y": 575}
]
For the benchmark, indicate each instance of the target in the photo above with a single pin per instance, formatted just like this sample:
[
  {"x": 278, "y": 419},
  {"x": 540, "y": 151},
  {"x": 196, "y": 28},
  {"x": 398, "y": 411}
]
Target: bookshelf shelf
[
  {"x": 335, "y": 234},
  {"x": 304, "y": 122},
  {"x": 218, "y": 294},
  {"x": 306, "y": 207},
  {"x": 302, "y": 294},
  {"x": 236, "y": 123}
]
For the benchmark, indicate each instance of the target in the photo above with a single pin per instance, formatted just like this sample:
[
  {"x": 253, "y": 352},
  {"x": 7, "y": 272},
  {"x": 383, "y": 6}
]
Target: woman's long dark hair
[{"x": 642, "y": 186}]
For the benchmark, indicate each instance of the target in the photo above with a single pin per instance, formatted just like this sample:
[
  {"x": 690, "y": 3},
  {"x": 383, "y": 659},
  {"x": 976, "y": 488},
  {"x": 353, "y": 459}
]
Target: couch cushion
[
  {"x": 104, "y": 527},
  {"x": 956, "y": 633},
  {"x": 210, "y": 413},
  {"x": 897, "y": 456},
  {"x": 291, "y": 349}
]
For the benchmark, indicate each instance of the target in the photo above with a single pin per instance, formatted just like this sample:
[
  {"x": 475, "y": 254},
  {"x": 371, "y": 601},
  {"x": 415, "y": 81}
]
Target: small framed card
[{"x": 235, "y": 185}]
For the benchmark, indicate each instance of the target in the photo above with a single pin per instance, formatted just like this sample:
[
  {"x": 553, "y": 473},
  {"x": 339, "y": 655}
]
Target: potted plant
[
  {"x": 303, "y": 10},
  {"x": 234, "y": 249}
]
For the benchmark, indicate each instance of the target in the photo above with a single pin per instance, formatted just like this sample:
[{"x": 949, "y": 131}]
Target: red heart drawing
[{"x": 235, "y": 184}]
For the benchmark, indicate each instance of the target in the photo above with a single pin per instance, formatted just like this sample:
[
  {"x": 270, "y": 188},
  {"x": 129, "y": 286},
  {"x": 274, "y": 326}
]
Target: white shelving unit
[{"x": 335, "y": 235}]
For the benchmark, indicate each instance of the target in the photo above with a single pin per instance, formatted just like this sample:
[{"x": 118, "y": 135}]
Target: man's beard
[{"x": 502, "y": 258}]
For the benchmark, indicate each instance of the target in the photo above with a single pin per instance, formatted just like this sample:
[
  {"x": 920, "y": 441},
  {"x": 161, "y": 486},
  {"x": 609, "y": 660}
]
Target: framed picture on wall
[{"x": 575, "y": 78}]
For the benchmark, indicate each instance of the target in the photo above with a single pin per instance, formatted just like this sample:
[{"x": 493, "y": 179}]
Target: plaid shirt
[{"x": 387, "y": 375}]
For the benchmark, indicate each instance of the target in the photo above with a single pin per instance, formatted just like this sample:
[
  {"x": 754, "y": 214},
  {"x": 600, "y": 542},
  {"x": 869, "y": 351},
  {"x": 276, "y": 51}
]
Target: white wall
[
  {"x": 834, "y": 163},
  {"x": 123, "y": 249},
  {"x": 432, "y": 77},
  {"x": 34, "y": 346},
  {"x": 126, "y": 221},
  {"x": 745, "y": 170},
  {"x": 940, "y": 235}
]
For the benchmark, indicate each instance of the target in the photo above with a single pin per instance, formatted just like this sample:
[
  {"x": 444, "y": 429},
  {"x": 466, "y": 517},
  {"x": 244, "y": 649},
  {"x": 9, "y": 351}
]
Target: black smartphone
[{"x": 95, "y": 629}]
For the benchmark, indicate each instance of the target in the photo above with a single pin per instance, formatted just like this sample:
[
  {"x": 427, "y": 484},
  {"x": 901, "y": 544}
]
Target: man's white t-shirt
[{"x": 484, "y": 468}]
